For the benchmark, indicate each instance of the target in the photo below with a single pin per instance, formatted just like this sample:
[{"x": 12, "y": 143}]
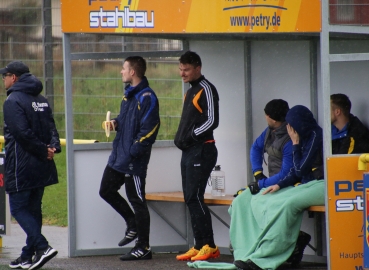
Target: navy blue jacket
[
  {"x": 307, "y": 155},
  {"x": 137, "y": 127},
  {"x": 352, "y": 139},
  {"x": 29, "y": 128}
]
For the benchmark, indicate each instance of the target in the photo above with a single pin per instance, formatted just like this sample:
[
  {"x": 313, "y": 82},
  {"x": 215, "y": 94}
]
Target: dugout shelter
[{"x": 252, "y": 51}]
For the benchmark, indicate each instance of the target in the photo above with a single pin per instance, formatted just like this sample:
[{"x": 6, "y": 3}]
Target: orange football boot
[
  {"x": 206, "y": 253},
  {"x": 188, "y": 255}
]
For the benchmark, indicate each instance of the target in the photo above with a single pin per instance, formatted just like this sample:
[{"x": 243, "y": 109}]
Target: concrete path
[
  {"x": 13, "y": 243},
  {"x": 58, "y": 239}
]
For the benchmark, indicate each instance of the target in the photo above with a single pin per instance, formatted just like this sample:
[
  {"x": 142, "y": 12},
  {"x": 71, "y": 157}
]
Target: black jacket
[
  {"x": 200, "y": 114},
  {"x": 29, "y": 128},
  {"x": 354, "y": 141}
]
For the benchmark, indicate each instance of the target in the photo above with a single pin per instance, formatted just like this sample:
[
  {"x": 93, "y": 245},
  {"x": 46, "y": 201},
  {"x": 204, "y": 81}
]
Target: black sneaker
[
  {"x": 21, "y": 263},
  {"x": 42, "y": 257},
  {"x": 131, "y": 235},
  {"x": 248, "y": 265},
  {"x": 137, "y": 253},
  {"x": 301, "y": 243}
]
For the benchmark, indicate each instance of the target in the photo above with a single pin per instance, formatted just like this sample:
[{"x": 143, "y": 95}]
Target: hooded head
[
  {"x": 277, "y": 109},
  {"x": 302, "y": 120}
]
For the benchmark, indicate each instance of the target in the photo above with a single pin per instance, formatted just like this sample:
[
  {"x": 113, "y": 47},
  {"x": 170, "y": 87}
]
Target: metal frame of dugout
[
  {"x": 325, "y": 57},
  {"x": 72, "y": 149}
]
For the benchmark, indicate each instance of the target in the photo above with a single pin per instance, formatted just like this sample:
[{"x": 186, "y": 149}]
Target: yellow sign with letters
[
  {"x": 190, "y": 16},
  {"x": 346, "y": 216}
]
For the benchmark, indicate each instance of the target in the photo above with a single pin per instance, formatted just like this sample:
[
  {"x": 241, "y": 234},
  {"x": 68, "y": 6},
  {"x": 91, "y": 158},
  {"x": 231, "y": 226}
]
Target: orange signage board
[
  {"x": 346, "y": 216},
  {"x": 190, "y": 16}
]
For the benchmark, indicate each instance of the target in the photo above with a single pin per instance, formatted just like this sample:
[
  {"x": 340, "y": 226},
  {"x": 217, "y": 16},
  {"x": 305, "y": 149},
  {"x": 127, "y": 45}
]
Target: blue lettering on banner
[
  {"x": 347, "y": 186},
  {"x": 349, "y": 204}
]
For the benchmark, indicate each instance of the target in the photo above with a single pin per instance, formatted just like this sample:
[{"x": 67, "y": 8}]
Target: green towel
[
  {"x": 264, "y": 228},
  {"x": 211, "y": 265}
]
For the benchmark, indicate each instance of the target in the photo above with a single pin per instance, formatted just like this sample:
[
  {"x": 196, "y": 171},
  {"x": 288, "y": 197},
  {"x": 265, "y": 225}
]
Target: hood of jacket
[
  {"x": 302, "y": 120},
  {"x": 27, "y": 83}
]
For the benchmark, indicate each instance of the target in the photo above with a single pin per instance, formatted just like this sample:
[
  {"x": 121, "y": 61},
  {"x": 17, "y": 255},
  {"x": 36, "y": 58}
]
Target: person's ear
[
  {"x": 14, "y": 78},
  {"x": 337, "y": 111},
  {"x": 132, "y": 72},
  {"x": 198, "y": 69}
]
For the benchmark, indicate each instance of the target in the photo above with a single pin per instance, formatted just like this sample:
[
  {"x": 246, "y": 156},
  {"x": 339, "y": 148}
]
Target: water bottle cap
[{"x": 217, "y": 168}]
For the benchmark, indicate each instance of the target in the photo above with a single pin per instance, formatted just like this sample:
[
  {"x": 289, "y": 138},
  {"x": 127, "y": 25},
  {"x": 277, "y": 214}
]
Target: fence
[{"x": 30, "y": 31}]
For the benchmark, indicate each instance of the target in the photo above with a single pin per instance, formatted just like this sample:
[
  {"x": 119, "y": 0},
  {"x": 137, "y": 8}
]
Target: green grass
[{"x": 54, "y": 204}]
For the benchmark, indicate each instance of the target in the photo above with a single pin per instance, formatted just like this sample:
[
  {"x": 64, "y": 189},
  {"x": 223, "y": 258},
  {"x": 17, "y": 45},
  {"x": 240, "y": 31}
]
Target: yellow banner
[
  {"x": 346, "y": 216},
  {"x": 190, "y": 16}
]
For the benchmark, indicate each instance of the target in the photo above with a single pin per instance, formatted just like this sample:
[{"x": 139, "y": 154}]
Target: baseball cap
[
  {"x": 277, "y": 109},
  {"x": 15, "y": 67}
]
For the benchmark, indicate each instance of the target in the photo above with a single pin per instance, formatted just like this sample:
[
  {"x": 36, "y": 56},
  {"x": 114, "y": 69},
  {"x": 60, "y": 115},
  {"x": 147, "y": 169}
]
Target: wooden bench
[{"x": 177, "y": 196}]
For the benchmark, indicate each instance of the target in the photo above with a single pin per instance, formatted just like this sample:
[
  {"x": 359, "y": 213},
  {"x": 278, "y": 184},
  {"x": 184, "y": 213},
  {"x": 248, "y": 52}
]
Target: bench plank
[
  {"x": 177, "y": 196},
  {"x": 317, "y": 208}
]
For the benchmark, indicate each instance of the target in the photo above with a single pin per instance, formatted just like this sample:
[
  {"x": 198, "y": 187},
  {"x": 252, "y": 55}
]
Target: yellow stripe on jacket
[{"x": 150, "y": 133}]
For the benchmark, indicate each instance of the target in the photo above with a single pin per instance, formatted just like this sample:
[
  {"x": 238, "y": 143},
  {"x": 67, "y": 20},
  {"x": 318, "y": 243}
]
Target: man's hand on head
[{"x": 295, "y": 138}]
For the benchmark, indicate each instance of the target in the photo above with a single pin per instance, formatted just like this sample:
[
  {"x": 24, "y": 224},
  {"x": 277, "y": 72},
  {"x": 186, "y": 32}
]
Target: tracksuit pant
[
  {"x": 196, "y": 165},
  {"x": 25, "y": 207},
  {"x": 111, "y": 182}
]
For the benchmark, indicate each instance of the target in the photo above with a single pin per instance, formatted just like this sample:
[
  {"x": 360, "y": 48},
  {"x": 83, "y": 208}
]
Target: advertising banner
[
  {"x": 345, "y": 206},
  {"x": 190, "y": 16},
  {"x": 366, "y": 220}
]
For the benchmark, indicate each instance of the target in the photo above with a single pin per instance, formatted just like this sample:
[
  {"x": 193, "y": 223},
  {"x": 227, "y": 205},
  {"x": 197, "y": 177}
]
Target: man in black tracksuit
[
  {"x": 349, "y": 135},
  {"x": 200, "y": 116}
]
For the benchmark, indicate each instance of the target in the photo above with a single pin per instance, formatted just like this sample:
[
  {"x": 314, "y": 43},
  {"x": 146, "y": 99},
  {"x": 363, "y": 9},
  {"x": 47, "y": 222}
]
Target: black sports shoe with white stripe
[
  {"x": 137, "y": 253},
  {"x": 42, "y": 257},
  {"x": 130, "y": 236},
  {"x": 21, "y": 263}
]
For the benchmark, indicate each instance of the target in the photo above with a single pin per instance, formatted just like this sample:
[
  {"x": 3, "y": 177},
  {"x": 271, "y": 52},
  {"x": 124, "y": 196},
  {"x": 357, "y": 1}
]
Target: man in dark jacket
[
  {"x": 31, "y": 140},
  {"x": 200, "y": 116},
  {"x": 349, "y": 135},
  {"x": 137, "y": 126},
  {"x": 274, "y": 141}
]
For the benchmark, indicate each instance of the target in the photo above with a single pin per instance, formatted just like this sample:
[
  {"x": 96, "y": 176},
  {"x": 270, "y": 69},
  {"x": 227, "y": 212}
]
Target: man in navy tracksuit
[
  {"x": 349, "y": 135},
  {"x": 200, "y": 116},
  {"x": 137, "y": 126},
  {"x": 31, "y": 140}
]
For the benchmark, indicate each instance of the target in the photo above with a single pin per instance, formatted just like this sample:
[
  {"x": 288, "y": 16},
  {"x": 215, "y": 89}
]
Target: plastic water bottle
[{"x": 217, "y": 177}]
